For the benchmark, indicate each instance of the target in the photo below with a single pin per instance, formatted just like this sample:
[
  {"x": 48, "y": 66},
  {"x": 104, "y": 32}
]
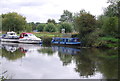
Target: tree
[
  {"x": 41, "y": 27},
  {"x": 112, "y": 9},
  {"x": 13, "y": 22},
  {"x": 0, "y": 23},
  {"x": 66, "y": 26},
  {"x": 28, "y": 27},
  {"x": 110, "y": 26},
  {"x": 51, "y": 21},
  {"x": 50, "y": 27},
  {"x": 85, "y": 23},
  {"x": 33, "y": 25},
  {"x": 66, "y": 17}
]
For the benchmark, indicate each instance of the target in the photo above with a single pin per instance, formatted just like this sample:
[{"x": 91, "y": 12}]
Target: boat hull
[
  {"x": 10, "y": 40},
  {"x": 21, "y": 41},
  {"x": 30, "y": 42},
  {"x": 66, "y": 43}
]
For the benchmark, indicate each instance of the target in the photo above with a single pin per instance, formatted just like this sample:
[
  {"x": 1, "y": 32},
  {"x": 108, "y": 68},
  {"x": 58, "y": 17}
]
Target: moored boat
[
  {"x": 29, "y": 38},
  {"x": 9, "y": 37},
  {"x": 66, "y": 41}
]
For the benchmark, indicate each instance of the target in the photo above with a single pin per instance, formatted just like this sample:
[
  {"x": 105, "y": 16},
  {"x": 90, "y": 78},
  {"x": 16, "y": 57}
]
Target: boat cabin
[
  {"x": 22, "y": 35},
  {"x": 10, "y": 35},
  {"x": 69, "y": 41}
]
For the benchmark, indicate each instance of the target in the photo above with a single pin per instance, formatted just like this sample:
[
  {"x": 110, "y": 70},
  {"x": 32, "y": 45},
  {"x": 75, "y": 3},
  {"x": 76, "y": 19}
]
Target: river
[{"x": 34, "y": 61}]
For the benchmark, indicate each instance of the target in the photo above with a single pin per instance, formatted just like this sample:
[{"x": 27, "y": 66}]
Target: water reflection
[
  {"x": 14, "y": 51},
  {"x": 65, "y": 50},
  {"x": 89, "y": 63}
]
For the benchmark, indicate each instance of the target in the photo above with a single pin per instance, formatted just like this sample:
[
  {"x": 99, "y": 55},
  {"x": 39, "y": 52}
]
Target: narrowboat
[
  {"x": 9, "y": 37},
  {"x": 29, "y": 38},
  {"x": 66, "y": 41}
]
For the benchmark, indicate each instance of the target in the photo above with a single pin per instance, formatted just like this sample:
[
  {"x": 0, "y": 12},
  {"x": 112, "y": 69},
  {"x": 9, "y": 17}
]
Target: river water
[{"x": 34, "y": 61}]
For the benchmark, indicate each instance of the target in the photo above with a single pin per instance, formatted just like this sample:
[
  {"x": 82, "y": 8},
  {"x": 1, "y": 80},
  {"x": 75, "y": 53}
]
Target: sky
[{"x": 42, "y": 10}]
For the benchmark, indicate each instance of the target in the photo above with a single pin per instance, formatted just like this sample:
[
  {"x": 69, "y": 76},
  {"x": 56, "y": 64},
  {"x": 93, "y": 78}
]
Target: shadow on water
[{"x": 87, "y": 62}]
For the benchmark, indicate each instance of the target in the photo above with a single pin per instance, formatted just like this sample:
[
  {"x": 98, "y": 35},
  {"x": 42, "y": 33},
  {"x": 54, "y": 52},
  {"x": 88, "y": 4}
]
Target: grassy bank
[{"x": 109, "y": 42}]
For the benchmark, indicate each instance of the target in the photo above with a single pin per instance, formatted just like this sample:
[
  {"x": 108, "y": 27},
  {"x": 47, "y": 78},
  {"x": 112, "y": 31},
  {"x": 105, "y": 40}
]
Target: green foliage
[
  {"x": 32, "y": 24},
  {"x": 110, "y": 39},
  {"x": 50, "y": 27},
  {"x": 0, "y": 23},
  {"x": 110, "y": 26},
  {"x": 28, "y": 28},
  {"x": 85, "y": 23},
  {"x": 51, "y": 21},
  {"x": 13, "y": 22},
  {"x": 66, "y": 26},
  {"x": 41, "y": 27},
  {"x": 109, "y": 42},
  {"x": 66, "y": 17},
  {"x": 46, "y": 40},
  {"x": 112, "y": 9}
]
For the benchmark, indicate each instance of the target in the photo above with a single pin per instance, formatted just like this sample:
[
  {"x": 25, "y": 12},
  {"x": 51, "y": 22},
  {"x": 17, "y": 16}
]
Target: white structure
[{"x": 63, "y": 30}]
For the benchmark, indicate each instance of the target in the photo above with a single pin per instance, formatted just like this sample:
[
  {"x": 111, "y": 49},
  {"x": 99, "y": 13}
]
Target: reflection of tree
[
  {"x": 65, "y": 58},
  {"x": 84, "y": 65},
  {"x": 108, "y": 64},
  {"x": 104, "y": 61},
  {"x": 47, "y": 50},
  {"x": 12, "y": 55}
]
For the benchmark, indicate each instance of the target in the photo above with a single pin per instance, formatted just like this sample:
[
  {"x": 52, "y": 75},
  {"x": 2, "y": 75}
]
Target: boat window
[
  {"x": 61, "y": 40},
  {"x": 12, "y": 33},
  {"x": 76, "y": 40},
  {"x": 25, "y": 35},
  {"x": 66, "y": 40},
  {"x": 56, "y": 40},
  {"x": 31, "y": 35},
  {"x": 70, "y": 40}
]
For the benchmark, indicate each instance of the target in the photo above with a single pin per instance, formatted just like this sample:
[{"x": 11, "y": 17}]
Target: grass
[
  {"x": 112, "y": 39},
  {"x": 46, "y": 34},
  {"x": 110, "y": 42}
]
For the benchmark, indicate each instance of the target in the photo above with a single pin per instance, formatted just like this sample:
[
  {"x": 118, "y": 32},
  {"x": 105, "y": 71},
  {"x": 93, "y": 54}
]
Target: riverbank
[{"x": 101, "y": 42}]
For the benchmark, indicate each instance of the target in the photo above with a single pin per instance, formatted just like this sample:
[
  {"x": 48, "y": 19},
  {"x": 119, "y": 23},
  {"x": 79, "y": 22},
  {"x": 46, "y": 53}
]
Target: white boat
[
  {"x": 9, "y": 37},
  {"x": 29, "y": 38}
]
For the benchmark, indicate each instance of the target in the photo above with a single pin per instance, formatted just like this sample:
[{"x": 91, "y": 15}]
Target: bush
[
  {"x": 50, "y": 27},
  {"x": 66, "y": 26},
  {"x": 46, "y": 40},
  {"x": 110, "y": 26},
  {"x": 41, "y": 27}
]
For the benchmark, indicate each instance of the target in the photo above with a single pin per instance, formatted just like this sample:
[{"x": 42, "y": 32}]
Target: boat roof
[{"x": 10, "y": 32}]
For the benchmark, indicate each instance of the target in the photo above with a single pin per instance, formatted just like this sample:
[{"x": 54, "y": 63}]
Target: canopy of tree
[{"x": 13, "y": 22}]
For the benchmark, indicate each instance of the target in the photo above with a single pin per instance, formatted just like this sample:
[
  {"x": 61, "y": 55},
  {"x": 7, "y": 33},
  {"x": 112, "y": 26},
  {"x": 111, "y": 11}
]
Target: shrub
[
  {"x": 50, "y": 27},
  {"x": 66, "y": 26}
]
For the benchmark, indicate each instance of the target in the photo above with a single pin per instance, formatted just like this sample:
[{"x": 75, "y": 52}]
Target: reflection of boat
[
  {"x": 24, "y": 48},
  {"x": 29, "y": 47},
  {"x": 66, "y": 41},
  {"x": 9, "y": 37},
  {"x": 12, "y": 47},
  {"x": 29, "y": 38},
  {"x": 65, "y": 50}
]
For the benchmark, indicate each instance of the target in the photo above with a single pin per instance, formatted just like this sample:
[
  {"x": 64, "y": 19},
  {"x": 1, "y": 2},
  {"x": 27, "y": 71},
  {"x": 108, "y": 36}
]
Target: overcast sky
[{"x": 42, "y": 10}]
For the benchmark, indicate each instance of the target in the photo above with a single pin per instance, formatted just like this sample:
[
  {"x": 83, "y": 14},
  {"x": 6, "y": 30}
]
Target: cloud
[{"x": 41, "y": 10}]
